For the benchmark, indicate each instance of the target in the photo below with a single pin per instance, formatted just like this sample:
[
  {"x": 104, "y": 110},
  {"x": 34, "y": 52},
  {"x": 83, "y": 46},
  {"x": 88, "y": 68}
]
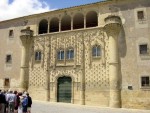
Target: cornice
[{"x": 58, "y": 11}]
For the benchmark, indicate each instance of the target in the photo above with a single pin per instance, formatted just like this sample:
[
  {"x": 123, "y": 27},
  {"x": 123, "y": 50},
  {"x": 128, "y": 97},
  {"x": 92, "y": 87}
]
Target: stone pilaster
[
  {"x": 112, "y": 27},
  {"x": 82, "y": 84},
  {"x": 26, "y": 39},
  {"x": 48, "y": 70}
]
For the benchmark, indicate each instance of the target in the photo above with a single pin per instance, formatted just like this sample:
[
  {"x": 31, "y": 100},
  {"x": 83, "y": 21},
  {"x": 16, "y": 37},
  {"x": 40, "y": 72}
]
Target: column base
[{"x": 115, "y": 99}]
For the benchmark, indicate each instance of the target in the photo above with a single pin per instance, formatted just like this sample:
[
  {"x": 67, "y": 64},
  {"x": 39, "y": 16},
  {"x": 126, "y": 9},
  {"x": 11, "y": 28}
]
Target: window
[
  {"x": 140, "y": 15},
  {"x": 6, "y": 82},
  {"x": 11, "y": 33},
  {"x": 143, "y": 49},
  {"x": 60, "y": 55},
  {"x": 38, "y": 55},
  {"x": 8, "y": 59},
  {"x": 70, "y": 54},
  {"x": 145, "y": 81},
  {"x": 96, "y": 51}
]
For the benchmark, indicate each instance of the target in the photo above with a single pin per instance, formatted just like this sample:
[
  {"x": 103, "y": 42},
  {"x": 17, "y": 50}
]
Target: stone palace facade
[{"x": 96, "y": 54}]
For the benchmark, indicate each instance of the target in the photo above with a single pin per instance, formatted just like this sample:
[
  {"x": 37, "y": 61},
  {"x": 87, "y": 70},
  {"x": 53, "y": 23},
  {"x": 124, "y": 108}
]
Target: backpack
[{"x": 25, "y": 102}]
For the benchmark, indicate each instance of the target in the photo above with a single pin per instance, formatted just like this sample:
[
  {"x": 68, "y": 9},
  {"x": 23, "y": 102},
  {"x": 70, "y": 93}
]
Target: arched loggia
[
  {"x": 43, "y": 26},
  {"x": 91, "y": 19},
  {"x": 66, "y": 23},
  {"x": 78, "y": 21},
  {"x": 54, "y": 25}
]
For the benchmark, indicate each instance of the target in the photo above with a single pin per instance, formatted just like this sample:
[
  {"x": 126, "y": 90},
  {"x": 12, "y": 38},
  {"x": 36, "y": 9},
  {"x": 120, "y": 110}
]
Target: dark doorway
[{"x": 64, "y": 89}]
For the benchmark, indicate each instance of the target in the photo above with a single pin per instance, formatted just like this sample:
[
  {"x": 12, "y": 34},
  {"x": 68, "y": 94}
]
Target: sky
[{"x": 16, "y": 8}]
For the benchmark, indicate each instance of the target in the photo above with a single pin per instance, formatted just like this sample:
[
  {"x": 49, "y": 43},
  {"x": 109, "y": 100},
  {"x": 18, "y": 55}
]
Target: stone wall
[{"x": 93, "y": 72}]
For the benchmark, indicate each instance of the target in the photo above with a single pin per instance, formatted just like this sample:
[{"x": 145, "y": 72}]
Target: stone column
[
  {"x": 84, "y": 21},
  {"x": 48, "y": 30},
  {"x": 59, "y": 25},
  {"x": 26, "y": 39},
  {"x": 71, "y": 23},
  {"x": 112, "y": 27}
]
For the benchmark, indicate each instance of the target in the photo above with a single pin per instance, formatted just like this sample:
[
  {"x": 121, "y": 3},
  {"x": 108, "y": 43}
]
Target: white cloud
[{"x": 18, "y": 8}]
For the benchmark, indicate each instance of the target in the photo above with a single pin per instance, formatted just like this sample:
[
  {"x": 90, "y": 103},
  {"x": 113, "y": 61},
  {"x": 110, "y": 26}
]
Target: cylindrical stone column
[
  {"x": 59, "y": 25},
  {"x": 26, "y": 40},
  {"x": 84, "y": 21},
  {"x": 112, "y": 27},
  {"x": 71, "y": 23}
]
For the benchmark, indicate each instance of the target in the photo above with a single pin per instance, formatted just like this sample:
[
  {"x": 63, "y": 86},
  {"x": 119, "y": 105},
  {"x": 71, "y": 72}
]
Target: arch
[
  {"x": 54, "y": 25},
  {"x": 91, "y": 19},
  {"x": 64, "y": 89},
  {"x": 43, "y": 26},
  {"x": 78, "y": 21},
  {"x": 66, "y": 23}
]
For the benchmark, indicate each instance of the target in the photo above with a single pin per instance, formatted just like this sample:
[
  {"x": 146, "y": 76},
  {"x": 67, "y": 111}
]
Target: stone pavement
[{"x": 51, "y": 107}]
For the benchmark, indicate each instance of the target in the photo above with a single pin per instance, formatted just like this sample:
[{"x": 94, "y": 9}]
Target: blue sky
[
  {"x": 68, "y": 3},
  {"x": 10, "y": 9}
]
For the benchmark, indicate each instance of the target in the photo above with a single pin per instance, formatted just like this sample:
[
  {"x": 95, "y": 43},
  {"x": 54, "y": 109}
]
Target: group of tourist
[{"x": 15, "y": 102}]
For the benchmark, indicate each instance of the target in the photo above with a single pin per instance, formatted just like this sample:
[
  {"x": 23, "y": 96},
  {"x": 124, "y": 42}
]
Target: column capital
[
  {"x": 112, "y": 25},
  {"x": 26, "y": 36}
]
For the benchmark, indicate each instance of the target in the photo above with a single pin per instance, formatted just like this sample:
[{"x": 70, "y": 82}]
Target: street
[{"x": 51, "y": 107}]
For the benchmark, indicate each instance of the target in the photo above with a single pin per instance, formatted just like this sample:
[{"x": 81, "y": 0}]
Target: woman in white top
[{"x": 20, "y": 105}]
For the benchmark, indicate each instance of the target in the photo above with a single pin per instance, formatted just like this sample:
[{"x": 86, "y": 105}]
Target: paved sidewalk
[{"x": 50, "y": 107}]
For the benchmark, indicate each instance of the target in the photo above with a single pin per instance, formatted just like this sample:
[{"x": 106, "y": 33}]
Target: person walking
[
  {"x": 20, "y": 110},
  {"x": 1, "y": 106},
  {"x": 2, "y": 101},
  {"x": 11, "y": 98},
  {"x": 29, "y": 103},
  {"x": 17, "y": 102},
  {"x": 25, "y": 103}
]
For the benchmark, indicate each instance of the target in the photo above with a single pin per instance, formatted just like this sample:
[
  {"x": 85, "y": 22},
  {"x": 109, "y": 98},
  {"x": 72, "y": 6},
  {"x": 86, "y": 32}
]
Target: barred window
[
  {"x": 143, "y": 49},
  {"x": 145, "y": 81}
]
